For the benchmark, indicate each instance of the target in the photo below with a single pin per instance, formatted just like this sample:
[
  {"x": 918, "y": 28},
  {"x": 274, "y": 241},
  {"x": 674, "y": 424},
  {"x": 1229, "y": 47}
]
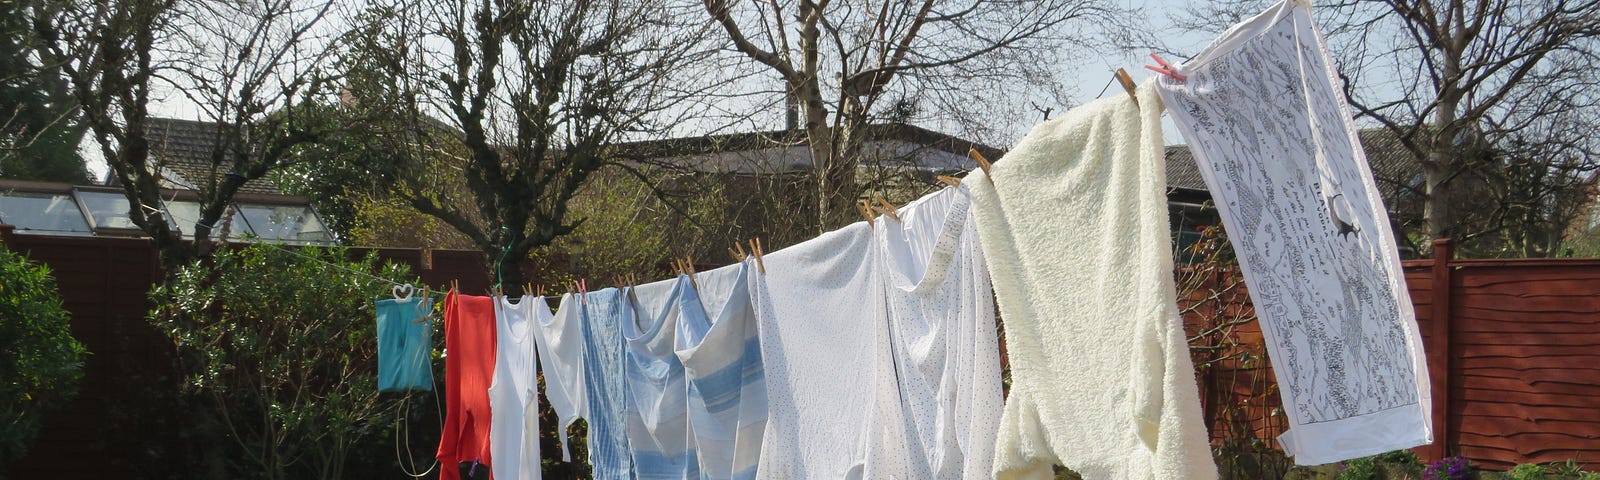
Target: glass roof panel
[
  {"x": 54, "y": 213},
  {"x": 295, "y": 223},
  {"x": 107, "y": 209},
  {"x": 185, "y": 214}
]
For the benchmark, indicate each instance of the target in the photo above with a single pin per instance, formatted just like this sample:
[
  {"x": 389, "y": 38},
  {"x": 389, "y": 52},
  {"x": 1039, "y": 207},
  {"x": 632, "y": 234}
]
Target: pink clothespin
[
  {"x": 1165, "y": 69},
  {"x": 583, "y": 291}
]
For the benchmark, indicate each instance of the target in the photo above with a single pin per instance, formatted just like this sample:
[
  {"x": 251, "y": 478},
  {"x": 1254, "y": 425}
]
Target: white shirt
[
  {"x": 561, "y": 358},
  {"x": 513, "y": 401}
]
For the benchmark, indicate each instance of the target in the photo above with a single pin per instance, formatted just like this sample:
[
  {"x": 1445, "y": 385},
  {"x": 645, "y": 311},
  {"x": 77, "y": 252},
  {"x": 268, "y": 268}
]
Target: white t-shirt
[
  {"x": 513, "y": 401},
  {"x": 561, "y": 359}
]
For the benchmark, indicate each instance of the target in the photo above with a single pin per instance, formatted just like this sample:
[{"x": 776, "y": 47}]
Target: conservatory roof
[{"x": 37, "y": 208}]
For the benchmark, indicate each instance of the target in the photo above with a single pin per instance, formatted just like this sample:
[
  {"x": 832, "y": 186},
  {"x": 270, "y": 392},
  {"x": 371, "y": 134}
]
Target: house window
[{"x": 52, "y": 213}]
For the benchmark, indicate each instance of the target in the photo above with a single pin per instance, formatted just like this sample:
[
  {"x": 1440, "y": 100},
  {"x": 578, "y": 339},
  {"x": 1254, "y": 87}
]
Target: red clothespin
[{"x": 1165, "y": 69}]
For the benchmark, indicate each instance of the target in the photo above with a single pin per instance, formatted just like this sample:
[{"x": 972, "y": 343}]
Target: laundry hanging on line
[
  {"x": 514, "y": 390},
  {"x": 1074, "y": 228},
  {"x": 469, "y": 329},
  {"x": 405, "y": 344},
  {"x": 1264, "y": 113},
  {"x": 871, "y": 351}
]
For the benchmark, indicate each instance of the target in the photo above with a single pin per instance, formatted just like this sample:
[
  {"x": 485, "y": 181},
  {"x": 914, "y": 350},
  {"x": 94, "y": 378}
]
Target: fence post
[
  {"x": 5, "y": 232},
  {"x": 1438, "y": 348}
]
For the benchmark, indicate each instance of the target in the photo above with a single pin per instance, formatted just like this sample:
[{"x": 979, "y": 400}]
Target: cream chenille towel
[{"x": 1074, "y": 227}]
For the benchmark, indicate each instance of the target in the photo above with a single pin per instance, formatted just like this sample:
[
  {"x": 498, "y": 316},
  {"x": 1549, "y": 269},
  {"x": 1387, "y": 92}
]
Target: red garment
[{"x": 468, "y": 368}]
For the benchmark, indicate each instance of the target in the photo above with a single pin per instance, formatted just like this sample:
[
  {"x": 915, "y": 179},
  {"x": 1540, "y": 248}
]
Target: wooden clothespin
[
  {"x": 540, "y": 290},
  {"x": 948, "y": 180},
  {"x": 427, "y": 294},
  {"x": 755, "y": 249},
  {"x": 738, "y": 252},
  {"x": 1166, "y": 69},
  {"x": 865, "y": 210},
  {"x": 983, "y": 163},
  {"x": 1128, "y": 85},
  {"x": 887, "y": 208},
  {"x": 688, "y": 267}
]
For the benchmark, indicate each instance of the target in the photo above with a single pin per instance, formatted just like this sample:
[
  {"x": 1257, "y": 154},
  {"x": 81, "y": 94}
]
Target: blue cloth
[
  {"x": 727, "y": 389},
  {"x": 657, "y": 414},
  {"x": 404, "y": 345},
  {"x": 603, "y": 375}
]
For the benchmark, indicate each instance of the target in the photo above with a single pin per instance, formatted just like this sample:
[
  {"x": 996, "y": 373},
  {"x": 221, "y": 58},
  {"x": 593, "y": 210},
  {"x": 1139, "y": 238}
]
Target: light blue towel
[
  {"x": 657, "y": 414},
  {"x": 404, "y": 345},
  {"x": 602, "y": 371},
  {"x": 727, "y": 387}
]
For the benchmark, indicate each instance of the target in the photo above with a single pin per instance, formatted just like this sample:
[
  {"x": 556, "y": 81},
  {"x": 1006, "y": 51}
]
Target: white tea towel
[
  {"x": 1264, "y": 113},
  {"x": 721, "y": 354},
  {"x": 656, "y": 411},
  {"x": 1074, "y": 227}
]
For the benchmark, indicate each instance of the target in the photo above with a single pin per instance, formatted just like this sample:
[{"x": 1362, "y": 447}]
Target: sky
[{"x": 1087, "y": 78}]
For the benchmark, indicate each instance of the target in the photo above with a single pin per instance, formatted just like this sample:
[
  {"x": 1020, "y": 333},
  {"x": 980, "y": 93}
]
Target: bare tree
[
  {"x": 535, "y": 95},
  {"x": 253, "y": 68},
  {"x": 1455, "y": 78},
  {"x": 839, "y": 62}
]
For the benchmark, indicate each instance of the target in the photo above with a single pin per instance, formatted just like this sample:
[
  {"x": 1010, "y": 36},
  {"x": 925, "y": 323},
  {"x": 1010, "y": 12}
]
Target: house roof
[
  {"x": 1388, "y": 158},
  {"x": 183, "y": 149},
  {"x": 785, "y": 150}
]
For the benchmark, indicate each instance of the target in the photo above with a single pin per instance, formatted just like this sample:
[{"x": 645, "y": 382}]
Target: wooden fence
[
  {"x": 120, "y": 425},
  {"x": 1515, "y": 363}
]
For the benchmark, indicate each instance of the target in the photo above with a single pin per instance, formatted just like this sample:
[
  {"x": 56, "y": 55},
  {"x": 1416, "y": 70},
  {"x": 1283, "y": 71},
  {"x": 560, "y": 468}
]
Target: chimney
[{"x": 791, "y": 112}]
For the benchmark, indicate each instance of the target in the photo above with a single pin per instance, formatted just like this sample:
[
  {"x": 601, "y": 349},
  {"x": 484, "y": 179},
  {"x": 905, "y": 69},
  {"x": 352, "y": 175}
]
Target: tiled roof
[
  {"x": 184, "y": 148},
  {"x": 1389, "y": 159}
]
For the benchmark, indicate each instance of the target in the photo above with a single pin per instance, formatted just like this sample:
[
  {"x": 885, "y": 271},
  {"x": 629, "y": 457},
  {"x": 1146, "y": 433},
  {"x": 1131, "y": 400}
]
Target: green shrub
[
  {"x": 280, "y": 351},
  {"x": 40, "y": 362},
  {"x": 1526, "y": 471}
]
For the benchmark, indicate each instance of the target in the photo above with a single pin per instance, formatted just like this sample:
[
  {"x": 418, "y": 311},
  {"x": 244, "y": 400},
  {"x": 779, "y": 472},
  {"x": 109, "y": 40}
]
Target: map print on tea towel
[{"x": 1265, "y": 117}]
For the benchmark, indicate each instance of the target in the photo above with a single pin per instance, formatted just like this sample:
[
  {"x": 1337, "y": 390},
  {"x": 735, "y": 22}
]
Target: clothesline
[{"x": 348, "y": 269}]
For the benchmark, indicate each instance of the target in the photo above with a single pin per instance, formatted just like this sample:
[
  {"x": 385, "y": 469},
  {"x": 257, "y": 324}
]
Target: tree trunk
[{"x": 1440, "y": 165}]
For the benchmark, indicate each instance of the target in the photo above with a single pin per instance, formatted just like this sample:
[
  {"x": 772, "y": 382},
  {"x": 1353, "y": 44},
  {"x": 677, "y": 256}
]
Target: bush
[
  {"x": 40, "y": 362},
  {"x": 279, "y": 351}
]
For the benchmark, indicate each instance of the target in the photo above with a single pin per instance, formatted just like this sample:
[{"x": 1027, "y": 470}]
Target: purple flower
[{"x": 1449, "y": 468}]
